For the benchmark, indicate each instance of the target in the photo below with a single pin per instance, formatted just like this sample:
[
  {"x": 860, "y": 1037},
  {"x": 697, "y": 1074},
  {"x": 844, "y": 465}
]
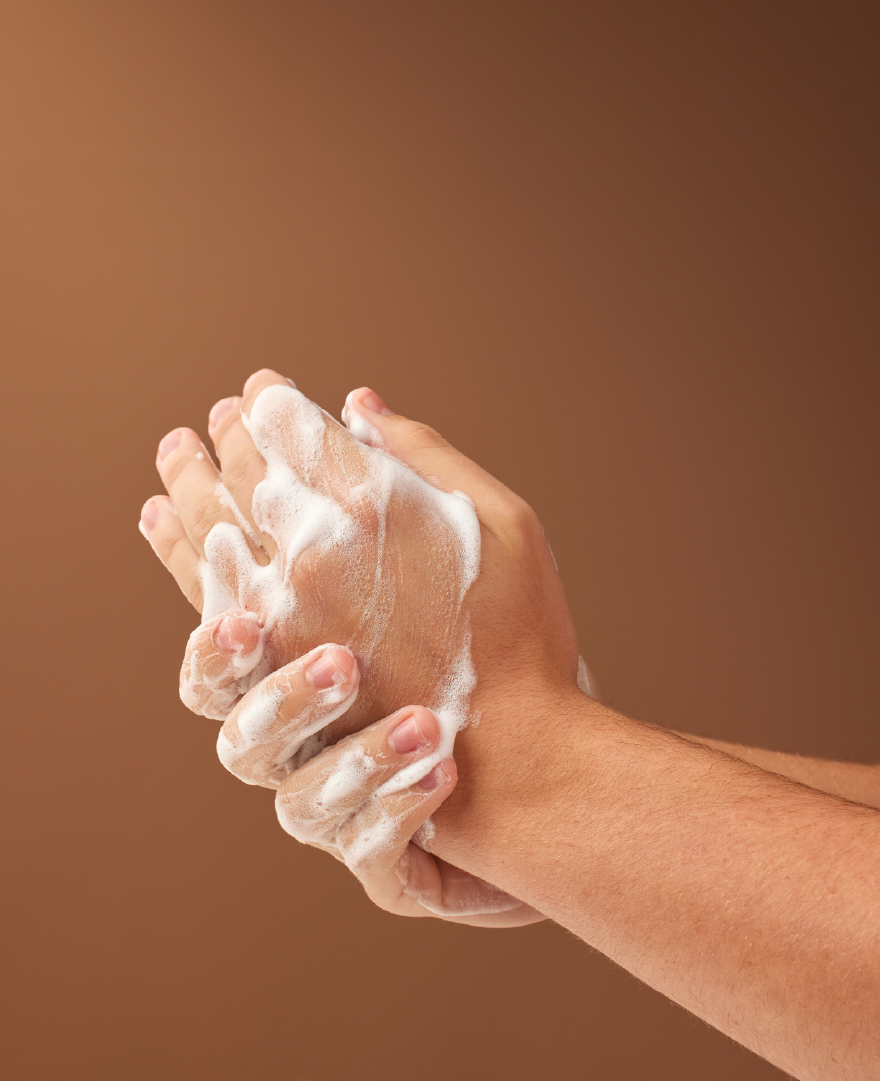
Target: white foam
[
  {"x": 425, "y": 834},
  {"x": 373, "y": 838},
  {"x": 353, "y": 769},
  {"x": 360, "y": 427},
  {"x": 362, "y": 430},
  {"x": 259, "y": 713}
]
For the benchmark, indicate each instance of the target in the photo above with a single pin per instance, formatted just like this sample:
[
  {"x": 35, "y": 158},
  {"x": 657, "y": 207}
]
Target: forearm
[
  {"x": 748, "y": 899},
  {"x": 851, "y": 780}
]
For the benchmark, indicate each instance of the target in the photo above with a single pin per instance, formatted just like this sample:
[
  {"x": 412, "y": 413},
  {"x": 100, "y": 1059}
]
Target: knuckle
[
  {"x": 522, "y": 520},
  {"x": 243, "y": 472},
  {"x": 166, "y": 538},
  {"x": 422, "y": 436},
  {"x": 200, "y": 643},
  {"x": 177, "y": 554},
  {"x": 368, "y": 837},
  {"x": 202, "y": 519}
]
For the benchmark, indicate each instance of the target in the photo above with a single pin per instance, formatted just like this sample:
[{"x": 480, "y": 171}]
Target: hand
[
  {"x": 331, "y": 534},
  {"x": 523, "y": 644},
  {"x": 358, "y": 799}
]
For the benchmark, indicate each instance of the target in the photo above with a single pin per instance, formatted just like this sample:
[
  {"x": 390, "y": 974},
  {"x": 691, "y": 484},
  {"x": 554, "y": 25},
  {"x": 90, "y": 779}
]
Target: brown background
[{"x": 624, "y": 255}]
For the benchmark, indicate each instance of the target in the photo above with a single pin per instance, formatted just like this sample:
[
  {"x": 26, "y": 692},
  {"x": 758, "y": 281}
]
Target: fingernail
[
  {"x": 237, "y": 634},
  {"x": 374, "y": 403},
  {"x": 149, "y": 515},
  {"x": 325, "y": 672},
  {"x": 407, "y": 737},
  {"x": 169, "y": 443},
  {"x": 221, "y": 407},
  {"x": 436, "y": 777}
]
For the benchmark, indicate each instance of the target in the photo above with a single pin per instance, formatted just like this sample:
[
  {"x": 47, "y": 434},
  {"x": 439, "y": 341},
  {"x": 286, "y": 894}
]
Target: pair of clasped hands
[{"x": 337, "y": 797}]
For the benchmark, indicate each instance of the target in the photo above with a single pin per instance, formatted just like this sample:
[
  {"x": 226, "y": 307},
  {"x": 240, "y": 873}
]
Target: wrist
[{"x": 514, "y": 766}]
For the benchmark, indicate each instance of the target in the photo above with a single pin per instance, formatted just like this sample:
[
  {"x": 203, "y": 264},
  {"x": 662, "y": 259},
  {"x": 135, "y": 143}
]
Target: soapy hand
[
  {"x": 316, "y": 533},
  {"x": 356, "y": 799},
  {"x": 326, "y": 537}
]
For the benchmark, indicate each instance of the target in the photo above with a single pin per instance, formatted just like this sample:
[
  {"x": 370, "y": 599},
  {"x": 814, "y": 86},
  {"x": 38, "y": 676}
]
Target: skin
[
  {"x": 746, "y": 896},
  {"x": 403, "y": 877}
]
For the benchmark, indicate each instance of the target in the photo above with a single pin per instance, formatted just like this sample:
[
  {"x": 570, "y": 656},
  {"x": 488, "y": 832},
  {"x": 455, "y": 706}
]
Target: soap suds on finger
[
  {"x": 215, "y": 695},
  {"x": 262, "y": 745}
]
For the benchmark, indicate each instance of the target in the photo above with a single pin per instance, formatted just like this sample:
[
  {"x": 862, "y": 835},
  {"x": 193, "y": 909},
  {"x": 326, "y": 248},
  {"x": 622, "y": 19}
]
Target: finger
[
  {"x": 385, "y": 844},
  {"x": 242, "y": 464},
  {"x": 278, "y": 724},
  {"x": 162, "y": 527},
  {"x": 314, "y": 452},
  {"x": 313, "y": 802},
  {"x": 257, "y": 383},
  {"x": 374, "y": 838},
  {"x": 220, "y": 655},
  {"x": 193, "y": 482},
  {"x": 420, "y": 884},
  {"x": 426, "y": 452},
  {"x": 243, "y": 467}
]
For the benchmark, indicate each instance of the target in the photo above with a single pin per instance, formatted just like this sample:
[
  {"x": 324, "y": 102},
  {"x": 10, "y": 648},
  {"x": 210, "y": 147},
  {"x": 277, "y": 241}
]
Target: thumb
[{"x": 424, "y": 450}]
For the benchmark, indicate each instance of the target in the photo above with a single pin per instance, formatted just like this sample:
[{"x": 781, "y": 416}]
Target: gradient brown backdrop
[{"x": 624, "y": 255}]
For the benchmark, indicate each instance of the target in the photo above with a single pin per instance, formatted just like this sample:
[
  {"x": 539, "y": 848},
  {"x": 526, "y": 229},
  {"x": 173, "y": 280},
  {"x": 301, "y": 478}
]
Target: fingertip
[
  {"x": 149, "y": 517},
  {"x": 361, "y": 421},
  {"x": 370, "y": 401},
  {"x": 237, "y": 632},
  {"x": 265, "y": 377},
  {"x": 251, "y": 380},
  {"x": 335, "y": 666},
  {"x": 168, "y": 443},
  {"x": 175, "y": 451},
  {"x": 450, "y": 771},
  {"x": 220, "y": 410},
  {"x": 442, "y": 777},
  {"x": 413, "y": 729}
]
